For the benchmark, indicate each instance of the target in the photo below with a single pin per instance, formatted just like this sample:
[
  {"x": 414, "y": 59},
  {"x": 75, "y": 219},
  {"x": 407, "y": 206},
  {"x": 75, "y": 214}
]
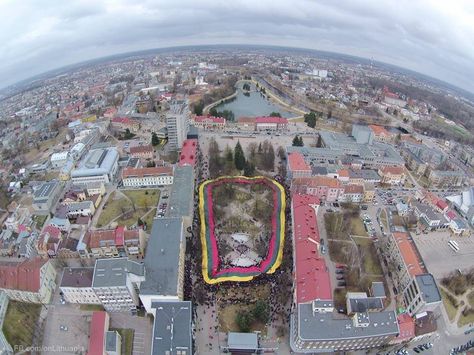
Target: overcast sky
[{"x": 432, "y": 37}]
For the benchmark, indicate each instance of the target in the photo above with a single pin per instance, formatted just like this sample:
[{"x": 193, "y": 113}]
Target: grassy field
[
  {"x": 227, "y": 316},
  {"x": 20, "y": 322},
  {"x": 336, "y": 227},
  {"x": 467, "y": 317},
  {"x": 370, "y": 261},
  {"x": 130, "y": 218},
  {"x": 450, "y": 308},
  {"x": 470, "y": 298},
  {"x": 115, "y": 206},
  {"x": 39, "y": 220},
  {"x": 127, "y": 339},
  {"x": 149, "y": 219},
  {"x": 357, "y": 227},
  {"x": 91, "y": 307},
  {"x": 143, "y": 198}
]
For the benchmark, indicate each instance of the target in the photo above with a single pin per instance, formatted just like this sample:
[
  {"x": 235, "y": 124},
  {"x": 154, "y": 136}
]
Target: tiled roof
[
  {"x": 188, "y": 152},
  {"x": 141, "y": 149},
  {"x": 297, "y": 163},
  {"x": 271, "y": 119},
  {"x": 312, "y": 276},
  {"x": 408, "y": 253},
  {"x": 317, "y": 181},
  {"x": 141, "y": 172},
  {"x": 24, "y": 276}
]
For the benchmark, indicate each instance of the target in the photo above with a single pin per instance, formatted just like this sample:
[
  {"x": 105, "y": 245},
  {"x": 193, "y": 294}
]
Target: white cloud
[{"x": 432, "y": 37}]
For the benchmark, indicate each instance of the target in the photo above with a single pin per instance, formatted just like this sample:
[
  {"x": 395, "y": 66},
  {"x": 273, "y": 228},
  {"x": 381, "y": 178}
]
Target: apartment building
[
  {"x": 392, "y": 175},
  {"x": 322, "y": 187},
  {"x": 76, "y": 285},
  {"x": 142, "y": 152},
  {"x": 271, "y": 123},
  {"x": 31, "y": 280},
  {"x": 297, "y": 166},
  {"x": 123, "y": 123},
  {"x": 156, "y": 176},
  {"x": 422, "y": 295},
  {"x": 352, "y": 194},
  {"x": 116, "y": 282},
  {"x": 209, "y": 122},
  {"x": 446, "y": 178},
  {"x": 177, "y": 123},
  {"x": 112, "y": 242},
  {"x": 403, "y": 259},
  {"x": 46, "y": 197}
]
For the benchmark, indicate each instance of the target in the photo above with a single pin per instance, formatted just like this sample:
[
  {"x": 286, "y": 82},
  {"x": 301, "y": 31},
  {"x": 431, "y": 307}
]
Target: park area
[
  {"x": 349, "y": 244},
  {"x": 242, "y": 227},
  {"x": 457, "y": 291},
  {"x": 129, "y": 207},
  {"x": 19, "y": 323}
]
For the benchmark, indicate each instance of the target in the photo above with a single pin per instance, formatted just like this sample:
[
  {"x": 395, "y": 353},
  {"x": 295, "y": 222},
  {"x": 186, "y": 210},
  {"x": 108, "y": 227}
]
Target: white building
[
  {"x": 78, "y": 150},
  {"x": 59, "y": 159},
  {"x": 157, "y": 176},
  {"x": 100, "y": 165},
  {"x": 76, "y": 285},
  {"x": 116, "y": 281},
  {"x": 177, "y": 123}
]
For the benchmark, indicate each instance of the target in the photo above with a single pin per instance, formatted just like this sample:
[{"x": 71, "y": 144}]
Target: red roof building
[
  {"x": 323, "y": 187},
  {"x": 297, "y": 166},
  {"x": 272, "y": 123},
  {"x": 407, "y": 328},
  {"x": 142, "y": 151},
  {"x": 188, "y": 153},
  {"x": 311, "y": 273},
  {"x": 209, "y": 122},
  {"x": 99, "y": 326}
]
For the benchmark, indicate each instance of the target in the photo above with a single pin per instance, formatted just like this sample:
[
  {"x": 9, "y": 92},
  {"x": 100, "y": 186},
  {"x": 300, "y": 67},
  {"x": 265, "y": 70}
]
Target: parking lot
[{"x": 439, "y": 258}]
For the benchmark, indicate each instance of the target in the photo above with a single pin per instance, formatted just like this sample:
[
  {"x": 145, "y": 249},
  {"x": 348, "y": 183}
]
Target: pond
[{"x": 252, "y": 104}]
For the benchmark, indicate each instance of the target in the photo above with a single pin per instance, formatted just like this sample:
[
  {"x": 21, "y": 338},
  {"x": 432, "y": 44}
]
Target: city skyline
[{"x": 439, "y": 47}]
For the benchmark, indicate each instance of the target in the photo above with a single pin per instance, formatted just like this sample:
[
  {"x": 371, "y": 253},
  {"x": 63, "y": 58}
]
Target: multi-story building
[
  {"x": 446, "y": 178},
  {"x": 314, "y": 326},
  {"x": 421, "y": 295},
  {"x": 123, "y": 123},
  {"x": 31, "y": 280},
  {"x": 323, "y": 187},
  {"x": 59, "y": 159},
  {"x": 352, "y": 193},
  {"x": 392, "y": 175},
  {"x": 142, "y": 152},
  {"x": 116, "y": 282},
  {"x": 297, "y": 166},
  {"x": 209, "y": 122},
  {"x": 46, "y": 197},
  {"x": 177, "y": 123},
  {"x": 381, "y": 134},
  {"x": 112, "y": 242},
  {"x": 403, "y": 259},
  {"x": 362, "y": 134},
  {"x": 138, "y": 177},
  {"x": 464, "y": 204},
  {"x": 188, "y": 154},
  {"x": 164, "y": 263},
  {"x": 76, "y": 285},
  {"x": 271, "y": 123},
  {"x": 99, "y": 166},
  {"x": 361, "y": 176},
  {"x": 428, "y": 217},
  {"x": 369, "y": 192}
]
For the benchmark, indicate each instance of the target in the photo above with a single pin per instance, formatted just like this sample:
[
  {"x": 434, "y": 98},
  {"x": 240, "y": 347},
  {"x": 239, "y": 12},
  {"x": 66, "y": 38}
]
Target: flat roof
[
  {"x": 180, "y": 203},
  {"x": 113, "y": 272},
  {"x": 97, "y": 162},
  {"x": 242, "y": 341},
  {"x": 77, "y": 277},
  {"x": 428, "y": 288},
  {"x": 162, "y": 257},
  {"x": 332, "y": 326},
  {"x": 172, "y": 328},
  {"x": 45, "y": 190}
]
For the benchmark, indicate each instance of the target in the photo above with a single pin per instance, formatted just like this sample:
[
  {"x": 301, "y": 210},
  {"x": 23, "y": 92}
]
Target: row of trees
[
  {"x": 261, "y": 156},
  {"x": 227, "y": 114},
  {"x": 259, "y": 313},
  {"x": 298, "y": 141},
  {"x": 312, "y": 117}
]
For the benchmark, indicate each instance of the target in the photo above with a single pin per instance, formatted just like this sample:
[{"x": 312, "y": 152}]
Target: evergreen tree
[
  {"x": 154, "y": 139},
  {"x": 275, "y": 114},
  {"x": 249, "y": 168},
  {"x": 296, "y": 141},
  {"x": 239, "y": 157}
]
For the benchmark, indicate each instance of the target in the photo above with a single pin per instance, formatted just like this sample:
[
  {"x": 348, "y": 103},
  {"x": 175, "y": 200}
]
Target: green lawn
[
  {"x": 357, "y": 227},
  {"x": 144, "y": 198},
  {"x": 131, "y": 218},
  {"x": 20, "y": 322},
  {"x": 467, "y": 318},
  {"x": 127, "y": 339},
  {"x": 91, "y": 307},
  {"x": 115, "y": 206},
  {"x": 470, "y": 298},
  {"x": 39, "y": 220},
  {"x": 369, "y": 257},
  {"x": 448, "y": 306},
  {"x": 149, "y": 219}
]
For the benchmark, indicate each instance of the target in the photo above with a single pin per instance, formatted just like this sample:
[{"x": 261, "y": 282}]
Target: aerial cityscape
[{"x": 240, "y": 199}]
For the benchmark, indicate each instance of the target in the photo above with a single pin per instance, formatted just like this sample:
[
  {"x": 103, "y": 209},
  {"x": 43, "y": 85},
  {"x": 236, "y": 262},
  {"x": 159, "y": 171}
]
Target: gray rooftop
[
  {"x": 242, "y": 341},
  {"x": 97, "y": 162},
  {"x": 366, "y": 174},
  {"x": 111, "y": 340},
  {"x": 45, "y": 190},
  {"x": 162, "y": 257},
  {"x": 172, "y": 328},
  {"x": 428, "y": 288},
  {"x": 182, "y": 192},
  {"x": 113, "y": 272},
  {"x": 365, "y": 304},
  {"x": 378, "y": 290},
  {"x": 329, "y": 326},
  {"x": 77, "y": 277}
]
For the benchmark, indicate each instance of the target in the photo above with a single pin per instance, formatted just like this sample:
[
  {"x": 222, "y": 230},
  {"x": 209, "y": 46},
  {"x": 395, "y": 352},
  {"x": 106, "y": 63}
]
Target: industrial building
[{"x": 99, "y": 165}]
